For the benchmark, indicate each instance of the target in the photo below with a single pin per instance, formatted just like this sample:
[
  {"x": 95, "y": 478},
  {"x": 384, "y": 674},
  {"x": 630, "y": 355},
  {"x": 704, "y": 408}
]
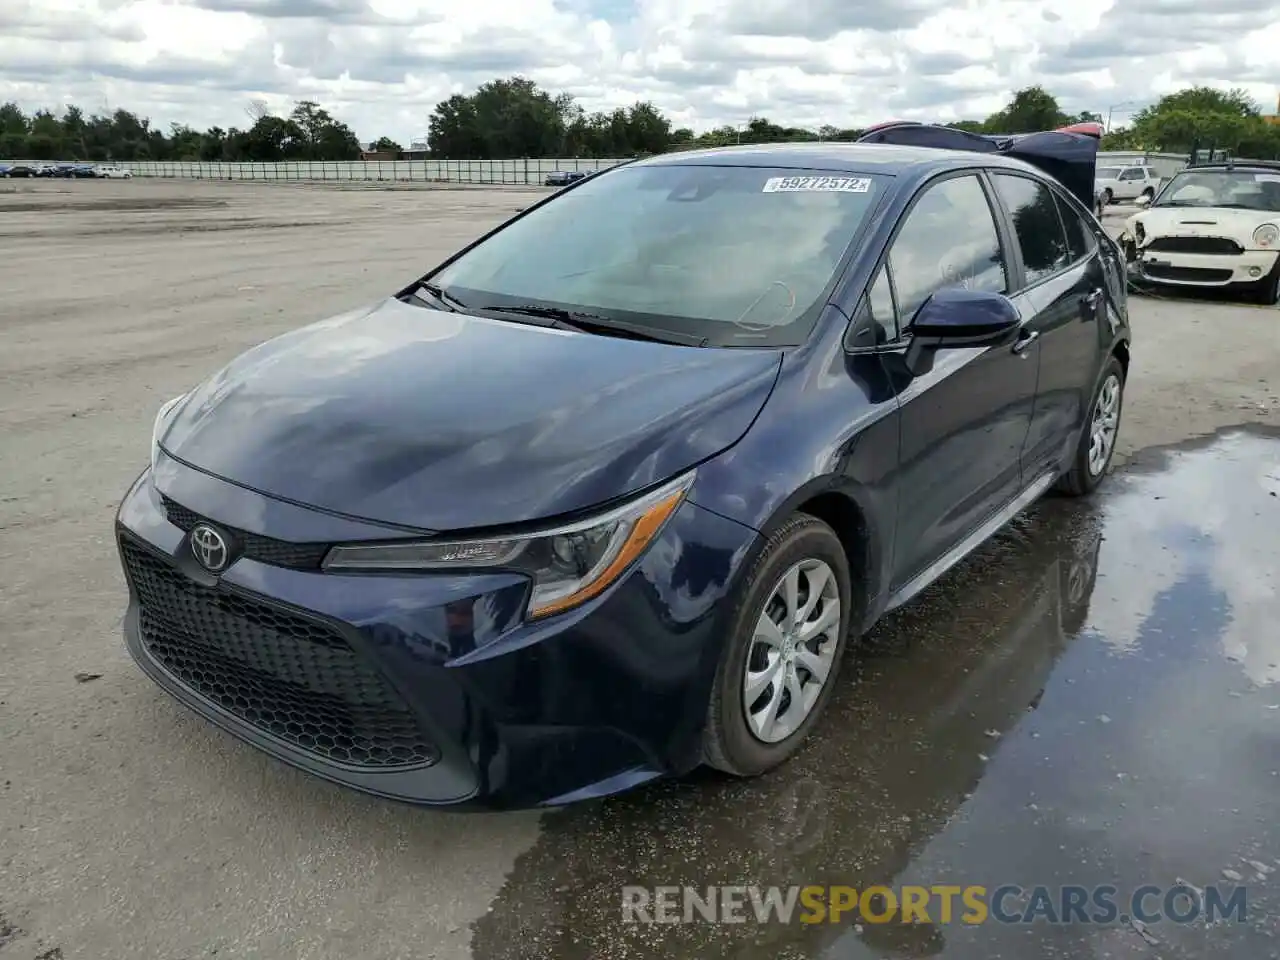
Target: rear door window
[{"x": 1035, "y": 222}]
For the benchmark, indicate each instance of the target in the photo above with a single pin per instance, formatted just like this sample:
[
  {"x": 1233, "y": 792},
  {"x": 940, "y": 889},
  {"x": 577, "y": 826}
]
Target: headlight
[
  {"x": 162, "y": 421},
  {"x": 1266, "y": 235},
  {"x": 568, "y": 565}
]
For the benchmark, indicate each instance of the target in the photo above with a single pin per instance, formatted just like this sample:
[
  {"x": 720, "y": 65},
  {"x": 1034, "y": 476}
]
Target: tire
[
  {"x": 1149, "y": 193},
  {"x": 1267, "y": 292},
  {"x": 1085, "y": 473},
  {"x": 735, "y": 739},
  {"x": 1107, "y": 197}
]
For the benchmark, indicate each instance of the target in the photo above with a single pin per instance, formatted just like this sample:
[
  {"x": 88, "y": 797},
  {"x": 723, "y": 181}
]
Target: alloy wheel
[
  {"x": 1103, "y": 427},
  {"x": 792, "y": 651}
]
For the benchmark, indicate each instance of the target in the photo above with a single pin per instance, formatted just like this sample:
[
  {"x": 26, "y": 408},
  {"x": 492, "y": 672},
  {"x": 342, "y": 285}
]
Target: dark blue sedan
[{"x": 606, "y": 495}]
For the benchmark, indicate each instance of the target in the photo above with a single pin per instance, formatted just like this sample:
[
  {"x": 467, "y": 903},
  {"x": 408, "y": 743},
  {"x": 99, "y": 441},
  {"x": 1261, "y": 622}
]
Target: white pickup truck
[{"x": 1125, "y": 182}]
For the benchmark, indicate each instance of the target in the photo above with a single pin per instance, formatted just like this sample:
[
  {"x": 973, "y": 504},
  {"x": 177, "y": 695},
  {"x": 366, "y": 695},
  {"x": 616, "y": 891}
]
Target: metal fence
[
  {"x": 532, "y": 171},
  {"x": 514, "y": 172}
]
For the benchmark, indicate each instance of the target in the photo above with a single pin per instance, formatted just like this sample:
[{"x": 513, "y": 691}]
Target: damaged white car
[{"x": 1214, "y": 225}]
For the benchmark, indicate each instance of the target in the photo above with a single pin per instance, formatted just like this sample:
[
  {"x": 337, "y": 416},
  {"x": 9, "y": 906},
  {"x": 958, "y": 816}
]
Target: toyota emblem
[{"x": 210, "y": 548}]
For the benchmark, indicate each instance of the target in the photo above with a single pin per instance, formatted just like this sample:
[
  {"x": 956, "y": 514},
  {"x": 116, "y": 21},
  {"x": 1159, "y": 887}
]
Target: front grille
[
  {"x": 278, "y": 553},
  {"x": 1219, "y": 246},
  {"x": 282, "y": 673},
  {"x": 1191, "y": 274}
]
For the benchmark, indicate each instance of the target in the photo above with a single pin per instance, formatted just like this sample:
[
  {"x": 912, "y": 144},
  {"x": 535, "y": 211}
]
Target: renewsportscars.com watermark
[{"x": 944, "y": 904}]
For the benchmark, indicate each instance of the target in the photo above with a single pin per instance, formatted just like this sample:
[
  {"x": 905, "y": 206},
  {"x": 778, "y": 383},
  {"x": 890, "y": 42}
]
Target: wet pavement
[{"x": 1093, "y": 700}]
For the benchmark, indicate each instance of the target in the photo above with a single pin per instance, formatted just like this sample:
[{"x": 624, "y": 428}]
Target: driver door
[{"x": 963, "y": 423}]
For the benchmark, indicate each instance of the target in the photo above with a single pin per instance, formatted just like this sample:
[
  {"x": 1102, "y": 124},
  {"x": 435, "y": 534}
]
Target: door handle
[{"x": 1025, "y": 339}]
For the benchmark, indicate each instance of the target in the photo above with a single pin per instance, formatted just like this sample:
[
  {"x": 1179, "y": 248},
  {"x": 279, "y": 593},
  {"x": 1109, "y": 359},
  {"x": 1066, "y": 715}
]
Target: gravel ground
[{"x": 130, "y": 829}]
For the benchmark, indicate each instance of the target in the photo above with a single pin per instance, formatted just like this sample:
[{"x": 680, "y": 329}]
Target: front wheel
[
  {"x": 782, "y": 656},
  {"x": 1107, "y": 197},
  {"x": 1149, "y": 193},
  {"x": 1098, "y": 439}
]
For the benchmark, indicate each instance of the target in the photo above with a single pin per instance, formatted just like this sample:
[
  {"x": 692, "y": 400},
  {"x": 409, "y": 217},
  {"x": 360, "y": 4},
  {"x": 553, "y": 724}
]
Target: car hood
[
  {"x": 442, "y": 421},
  {"x": 1203, "y": 222}
]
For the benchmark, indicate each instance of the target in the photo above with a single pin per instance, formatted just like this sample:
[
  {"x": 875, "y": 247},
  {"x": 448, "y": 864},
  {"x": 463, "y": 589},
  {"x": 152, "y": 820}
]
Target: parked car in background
[
  {"x": 113, "y": 172},
  {"x": 83, "y": 171},
  {"x": 23, "y": 169},
  {"x": 1126, "y": 183},
  {"x": 1213, "y": 225},
  {"x": 4, "y": 169},
  {"x": 522, "y": 534},
  {"x": 562, "y": 178}
]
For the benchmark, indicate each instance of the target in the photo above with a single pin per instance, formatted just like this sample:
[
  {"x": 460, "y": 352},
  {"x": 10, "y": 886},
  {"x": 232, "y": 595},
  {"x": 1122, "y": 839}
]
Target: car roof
[
  {"x": 1068, "y": 154},
  {"x": 837, "y": 156},
  {"x": 883, "y": 158}
]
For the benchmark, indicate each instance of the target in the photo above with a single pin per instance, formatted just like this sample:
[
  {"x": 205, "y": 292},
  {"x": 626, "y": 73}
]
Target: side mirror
[
  {"x": 1143, "y": 201},
  {"x": 959, "y": 318}
]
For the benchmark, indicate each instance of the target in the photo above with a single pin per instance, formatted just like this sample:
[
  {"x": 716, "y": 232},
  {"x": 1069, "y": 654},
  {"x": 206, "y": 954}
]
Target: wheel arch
[
  {"x": 1121, "y": 352},
  {"x": 846, "y": 508}
]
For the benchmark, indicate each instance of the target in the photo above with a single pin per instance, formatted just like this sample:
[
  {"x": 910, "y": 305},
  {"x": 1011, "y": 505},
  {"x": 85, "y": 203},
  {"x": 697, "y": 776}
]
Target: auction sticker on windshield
[{"x": 817, "y": 184}]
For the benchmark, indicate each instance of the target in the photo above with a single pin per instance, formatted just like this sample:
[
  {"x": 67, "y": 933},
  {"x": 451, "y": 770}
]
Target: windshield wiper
[
  {"x": 443, "y": 296},
  {"x": 594, "y": 323}
]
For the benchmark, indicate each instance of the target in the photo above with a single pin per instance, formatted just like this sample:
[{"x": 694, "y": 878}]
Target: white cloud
[{"x": 381, "y": 65}]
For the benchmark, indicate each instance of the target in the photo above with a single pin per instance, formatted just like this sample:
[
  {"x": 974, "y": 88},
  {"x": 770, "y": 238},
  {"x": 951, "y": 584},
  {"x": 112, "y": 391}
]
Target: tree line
[
  {"x": 513, "y": 118},
  {"x": 308, "y": 132}
]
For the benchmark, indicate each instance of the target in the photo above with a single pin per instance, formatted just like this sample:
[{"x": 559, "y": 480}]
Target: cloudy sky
[{"x": 381, "y": 65}]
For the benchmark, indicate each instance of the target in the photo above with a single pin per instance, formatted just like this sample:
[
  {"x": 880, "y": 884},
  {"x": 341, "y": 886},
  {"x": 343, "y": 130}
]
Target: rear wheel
[
  {"x": 1149, "y": 193},
  {"x": 1098, "y": 439},
  {"x": 782, "y": 656},
  {"x": 1107, "y": 197}
]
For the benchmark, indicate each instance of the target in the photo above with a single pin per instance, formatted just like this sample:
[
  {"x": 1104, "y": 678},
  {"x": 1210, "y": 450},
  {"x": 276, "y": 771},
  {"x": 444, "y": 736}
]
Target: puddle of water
[{"x": 1091, "y": 700}]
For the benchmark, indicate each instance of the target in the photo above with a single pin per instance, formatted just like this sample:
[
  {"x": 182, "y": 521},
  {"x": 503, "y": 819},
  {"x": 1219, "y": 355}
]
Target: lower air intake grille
[{"x": 286, "y": 675}]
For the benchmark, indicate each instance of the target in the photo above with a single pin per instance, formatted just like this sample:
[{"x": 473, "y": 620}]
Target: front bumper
[
  {"x": 428, "y": 688},
  {"x": 1203, "y": 270}
]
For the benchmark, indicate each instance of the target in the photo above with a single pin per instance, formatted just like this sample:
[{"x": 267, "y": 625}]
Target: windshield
[
  {"x": 1107, "y": 173},
  {"x": 1242, "y": 189},
  {"x": 740, "y": 256}
]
